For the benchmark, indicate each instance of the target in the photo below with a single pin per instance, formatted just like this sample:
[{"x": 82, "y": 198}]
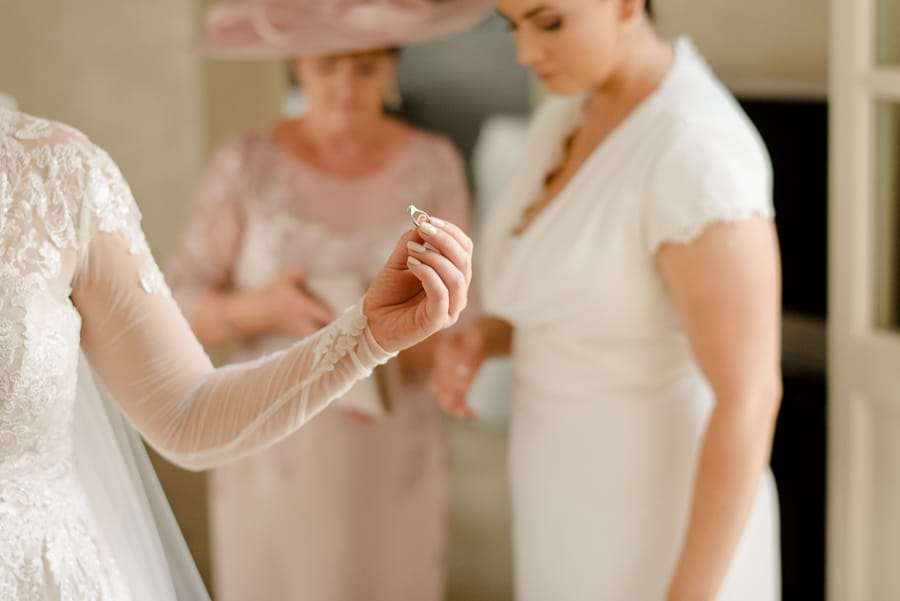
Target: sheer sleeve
[
  {"x": 142, "y": 347},
  {"x": 204, "y": 259},
  {"x": 704, "y": 177}
]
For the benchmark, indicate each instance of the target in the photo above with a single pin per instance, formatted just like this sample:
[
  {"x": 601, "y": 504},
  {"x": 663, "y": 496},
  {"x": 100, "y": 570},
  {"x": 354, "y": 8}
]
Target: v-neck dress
[{"x": 610, "y": 406}]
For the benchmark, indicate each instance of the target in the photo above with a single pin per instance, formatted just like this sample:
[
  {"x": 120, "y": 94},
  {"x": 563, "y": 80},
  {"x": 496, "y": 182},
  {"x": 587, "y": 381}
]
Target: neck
[
  {"x": 645, "y": 61},
  {"x": 341, "y": 138}
]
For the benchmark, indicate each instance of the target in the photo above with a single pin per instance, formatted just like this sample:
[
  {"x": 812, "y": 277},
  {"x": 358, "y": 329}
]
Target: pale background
[{"x": 122, "y": 71}]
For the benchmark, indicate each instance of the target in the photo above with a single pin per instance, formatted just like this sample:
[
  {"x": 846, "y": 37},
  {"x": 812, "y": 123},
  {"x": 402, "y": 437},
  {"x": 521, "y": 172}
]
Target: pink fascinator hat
[{"x": 280, "y": 29}]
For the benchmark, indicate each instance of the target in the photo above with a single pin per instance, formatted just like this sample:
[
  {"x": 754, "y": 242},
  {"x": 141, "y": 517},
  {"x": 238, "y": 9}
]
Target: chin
[{"x": 559, "y": 86}]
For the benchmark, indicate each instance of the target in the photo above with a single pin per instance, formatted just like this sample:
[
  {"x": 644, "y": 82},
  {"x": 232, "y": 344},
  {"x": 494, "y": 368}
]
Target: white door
[{"x": 864, "y": 297}]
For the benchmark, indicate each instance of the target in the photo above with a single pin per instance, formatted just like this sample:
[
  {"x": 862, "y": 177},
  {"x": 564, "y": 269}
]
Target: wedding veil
[{"x": 129, "y": 504}]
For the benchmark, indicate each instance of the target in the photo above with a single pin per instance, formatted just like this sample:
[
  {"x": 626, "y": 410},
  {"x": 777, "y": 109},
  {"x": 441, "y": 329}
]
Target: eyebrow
[{"x": 534, "y": 11}]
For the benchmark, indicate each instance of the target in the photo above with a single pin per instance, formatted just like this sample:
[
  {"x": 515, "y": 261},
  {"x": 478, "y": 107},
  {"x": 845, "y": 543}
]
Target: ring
[{"x": 417, "y": 215}]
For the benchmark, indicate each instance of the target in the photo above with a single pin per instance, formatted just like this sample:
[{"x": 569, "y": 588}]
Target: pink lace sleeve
[{"x": 203, "y": 260}]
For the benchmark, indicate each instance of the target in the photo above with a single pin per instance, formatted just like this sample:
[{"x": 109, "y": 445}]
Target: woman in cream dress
[{"x": 632, "y": 270}]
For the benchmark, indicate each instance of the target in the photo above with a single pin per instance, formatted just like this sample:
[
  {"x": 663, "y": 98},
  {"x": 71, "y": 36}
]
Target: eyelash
[{"x": 552, "y": 26}]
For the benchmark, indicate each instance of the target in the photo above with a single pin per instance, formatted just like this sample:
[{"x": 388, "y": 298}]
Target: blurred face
[
  {"x": 571, "y": 45},
  {"x": 347, "y": 88}
]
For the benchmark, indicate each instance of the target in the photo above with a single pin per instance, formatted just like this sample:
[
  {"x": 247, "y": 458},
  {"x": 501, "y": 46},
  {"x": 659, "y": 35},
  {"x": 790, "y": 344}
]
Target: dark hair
[{"x": 647, "y": 8}]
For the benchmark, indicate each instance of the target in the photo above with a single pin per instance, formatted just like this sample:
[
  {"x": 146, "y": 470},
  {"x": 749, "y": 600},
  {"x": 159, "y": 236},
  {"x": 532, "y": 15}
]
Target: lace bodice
[{"x": 76, "y": 274}]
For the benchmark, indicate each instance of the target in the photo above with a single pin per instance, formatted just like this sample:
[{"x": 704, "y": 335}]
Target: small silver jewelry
[{"x": 418, "y": 216}]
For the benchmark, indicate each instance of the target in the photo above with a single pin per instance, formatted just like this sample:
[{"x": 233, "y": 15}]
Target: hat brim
[{"x": 261, "y": 31}]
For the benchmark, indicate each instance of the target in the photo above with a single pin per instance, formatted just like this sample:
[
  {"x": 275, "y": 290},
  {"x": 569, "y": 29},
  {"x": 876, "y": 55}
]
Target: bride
[{"x": 81, "y": 515}]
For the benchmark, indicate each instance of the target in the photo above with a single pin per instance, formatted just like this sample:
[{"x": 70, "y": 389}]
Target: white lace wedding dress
[{"x": 76, "y": 276}]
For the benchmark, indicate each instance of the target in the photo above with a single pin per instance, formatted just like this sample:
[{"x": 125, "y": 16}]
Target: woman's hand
[
  {"x": 421, "y": 289},
  {"x": 458, "y": 358},
  {"x": 285, "y": 308}
]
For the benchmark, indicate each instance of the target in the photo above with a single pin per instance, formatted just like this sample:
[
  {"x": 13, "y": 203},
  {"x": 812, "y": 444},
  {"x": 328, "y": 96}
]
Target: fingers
[
  {"x": 451, "y": 277},
  {"x": 453, "y": 401},
  {"x": 457, "y": 360},
  {"x": 455, "y": 232},
  {"x": 448, "y": 240},
  {"x": 437, "y": 294},
  {"x": 398, "y": 257}
]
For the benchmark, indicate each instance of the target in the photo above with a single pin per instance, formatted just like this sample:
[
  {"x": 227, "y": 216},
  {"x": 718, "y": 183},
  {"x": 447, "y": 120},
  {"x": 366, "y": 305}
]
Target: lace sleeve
[
  {"x": 702, "y": 178},
  {"x": 205, "y": 255},
  {"x": 142, "y": 347}
]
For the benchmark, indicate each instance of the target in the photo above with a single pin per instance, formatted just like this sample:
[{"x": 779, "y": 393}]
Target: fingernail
[
  {"x": 430, "y": 247},
  {"x": 428, "y": 229},
  {"x": 413, "y": 261},
  {"x": 437, "y": 222},
  {"x": 415, "y": 247}
]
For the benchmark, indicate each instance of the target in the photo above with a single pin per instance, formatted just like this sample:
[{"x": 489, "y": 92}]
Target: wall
[
  {"x": 119, "y": 71},
  {"x": 753, "y": 44}
]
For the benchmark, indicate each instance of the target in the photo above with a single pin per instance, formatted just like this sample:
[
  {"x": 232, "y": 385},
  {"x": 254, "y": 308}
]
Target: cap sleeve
[{"x": 705, "y": 178}]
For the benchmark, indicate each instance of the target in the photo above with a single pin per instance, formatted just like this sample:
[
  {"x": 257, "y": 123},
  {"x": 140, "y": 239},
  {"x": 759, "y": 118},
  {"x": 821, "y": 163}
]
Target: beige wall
[
  {"x": 118, "y": 71},
  {"x": 766, "y": 43}
]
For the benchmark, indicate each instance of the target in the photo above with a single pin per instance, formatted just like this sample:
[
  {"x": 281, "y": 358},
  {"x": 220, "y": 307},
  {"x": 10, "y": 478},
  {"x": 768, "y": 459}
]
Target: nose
[
  {"x": 345, "y": 83},
  {"x": 528, "y": 50}
]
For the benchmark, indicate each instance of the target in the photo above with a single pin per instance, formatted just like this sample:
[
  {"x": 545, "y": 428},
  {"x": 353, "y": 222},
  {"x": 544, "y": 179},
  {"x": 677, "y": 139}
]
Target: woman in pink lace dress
[{"x": 280, "y": 211}]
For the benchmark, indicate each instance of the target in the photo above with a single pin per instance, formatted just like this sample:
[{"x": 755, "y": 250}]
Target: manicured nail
[
  {"x": 430, "y": 247},
  {"x": 415, "y": 247},
  {"x": 413, "y": 261},
  {"x": 437, "y": 222},
  {"x": 428, "y": 229}
]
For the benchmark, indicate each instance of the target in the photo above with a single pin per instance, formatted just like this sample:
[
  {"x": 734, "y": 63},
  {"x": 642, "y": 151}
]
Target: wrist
[{"x": 374, "y": 331}]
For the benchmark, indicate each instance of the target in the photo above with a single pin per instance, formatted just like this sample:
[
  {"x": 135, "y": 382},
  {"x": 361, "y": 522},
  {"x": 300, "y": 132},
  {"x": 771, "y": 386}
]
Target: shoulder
[
  {"x": 71, "y": 185},
  {"x": 48, "y": 148},
  {"x": 699, "y": 124},
  {"x": 239, "y": 149},
  {"x": 56, "y": 157}
]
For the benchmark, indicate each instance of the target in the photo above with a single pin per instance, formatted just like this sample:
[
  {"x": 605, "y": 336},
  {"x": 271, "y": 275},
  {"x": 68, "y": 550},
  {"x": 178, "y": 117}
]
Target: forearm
[
  {"x": 733, "y": 457},
  {"x": 245, "y": 407}
]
